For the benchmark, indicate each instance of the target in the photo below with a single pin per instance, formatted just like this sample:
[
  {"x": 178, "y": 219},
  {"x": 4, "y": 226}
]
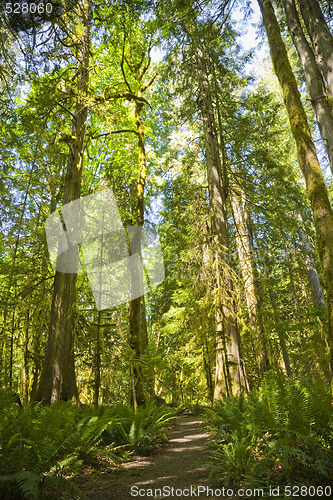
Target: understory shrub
[{"x": 281, "y": 434}]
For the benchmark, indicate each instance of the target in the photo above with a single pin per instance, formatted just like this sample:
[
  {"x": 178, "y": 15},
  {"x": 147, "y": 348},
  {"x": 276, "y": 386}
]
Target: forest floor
[{"x": 175, "y": 465}]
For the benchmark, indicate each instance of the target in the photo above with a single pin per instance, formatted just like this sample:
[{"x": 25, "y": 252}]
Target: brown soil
[{"x": 174, "y": 466}]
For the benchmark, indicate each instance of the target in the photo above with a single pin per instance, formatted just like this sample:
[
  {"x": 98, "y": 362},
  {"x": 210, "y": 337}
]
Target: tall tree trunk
[
  {"x": 319, "y": 101},
  {"x": 321, "y": 38},
  {"x": 138, "y": 325},
  {"x": 35, "y": 355},
  {"x": 57, "y": 381},
  {"x": 317, "y": 294},
  {"x": 230, "y": 371},
  {"x": 315, "y": 185},
  {"x": 11, "y": 350}
]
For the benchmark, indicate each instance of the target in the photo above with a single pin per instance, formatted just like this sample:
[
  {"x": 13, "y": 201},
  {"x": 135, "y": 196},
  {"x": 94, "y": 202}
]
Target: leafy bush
[
  {"x": 38, "y": 444},
  {"x": 281, "y": 434}
]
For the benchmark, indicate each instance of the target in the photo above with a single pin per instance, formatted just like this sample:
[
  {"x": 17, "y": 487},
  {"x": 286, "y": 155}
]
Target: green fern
[
  {"x": 38, "y": 443},
  {"x": 27, "y": 483},
  {"x": 285, "y": 428},
  {"x": 230, "y": 461}
]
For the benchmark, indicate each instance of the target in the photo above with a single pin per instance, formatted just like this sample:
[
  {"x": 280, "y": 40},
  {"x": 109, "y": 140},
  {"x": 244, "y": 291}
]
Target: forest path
[{"x": 173, "y": 466}]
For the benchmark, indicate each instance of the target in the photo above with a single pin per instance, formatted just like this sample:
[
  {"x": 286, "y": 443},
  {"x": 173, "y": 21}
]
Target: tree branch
[
  {"x": 119, "y": 95},
  {"x": 122, "y": 66},
  {"x": 146, "y": 66},
  {"x": 124, "y": 130},
  {"x": 149, "y": 83}
]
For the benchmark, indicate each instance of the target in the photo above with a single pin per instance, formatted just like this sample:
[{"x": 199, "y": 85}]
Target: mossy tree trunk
[
  {"x": 58, "y": 381},
  {"x": 138, "y": 326},
  {"x": 321, "y": 38},
  {"x": 316, "y": 85},
  {"x": 315, "y": 185}
]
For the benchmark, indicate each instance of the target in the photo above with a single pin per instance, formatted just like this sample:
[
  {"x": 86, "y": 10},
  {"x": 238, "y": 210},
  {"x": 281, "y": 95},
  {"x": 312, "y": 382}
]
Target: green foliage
[
  {"x": 141, "y": 431},
  {"x": 39, "y": 444},
  {"x": 280, "y": 434}
]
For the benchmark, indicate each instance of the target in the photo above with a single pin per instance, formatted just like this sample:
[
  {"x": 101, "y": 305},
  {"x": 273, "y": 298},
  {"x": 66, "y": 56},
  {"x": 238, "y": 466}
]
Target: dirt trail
[{"x": 171, "y": 467}]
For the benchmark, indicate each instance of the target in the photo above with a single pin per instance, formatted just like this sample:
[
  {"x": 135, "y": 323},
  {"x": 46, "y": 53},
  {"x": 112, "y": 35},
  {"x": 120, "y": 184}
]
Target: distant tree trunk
[
  {"x": 36, "y": 358},
  {"x": 25, "y": 366},
  {"x": 315, "y": 185},
  {"x": 230, "y": 370},
  {"x": 58, "y": 381},
  {"x": 278, "y": 326},
  {"x": 97, "y": 367},
  {"x": 318, "y": 298},
  {"x": 11, "y": 289},
  {"x": 319, "y": 101},
  {"x": 208, "y": 369},
  {"x": 291, "y": 279},
  {"x": 321, "y": 38},
  {"x": 258, "y": 292},
  {"x": 11, "y": 350},
  {"x": 244, "y": 257}
]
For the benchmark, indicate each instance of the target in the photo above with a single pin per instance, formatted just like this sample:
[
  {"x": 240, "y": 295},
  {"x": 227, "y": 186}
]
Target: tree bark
[
  {"x": 321, "y": 38},
  {"x": 316, "y": 85},
  {"x": 138, "y": 338},
  {"x": 315, "y": 184},
  {"x": 58, "y": 381}
]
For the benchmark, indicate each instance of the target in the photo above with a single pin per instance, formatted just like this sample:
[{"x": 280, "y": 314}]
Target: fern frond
[{"x": 26, "y": 481}]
